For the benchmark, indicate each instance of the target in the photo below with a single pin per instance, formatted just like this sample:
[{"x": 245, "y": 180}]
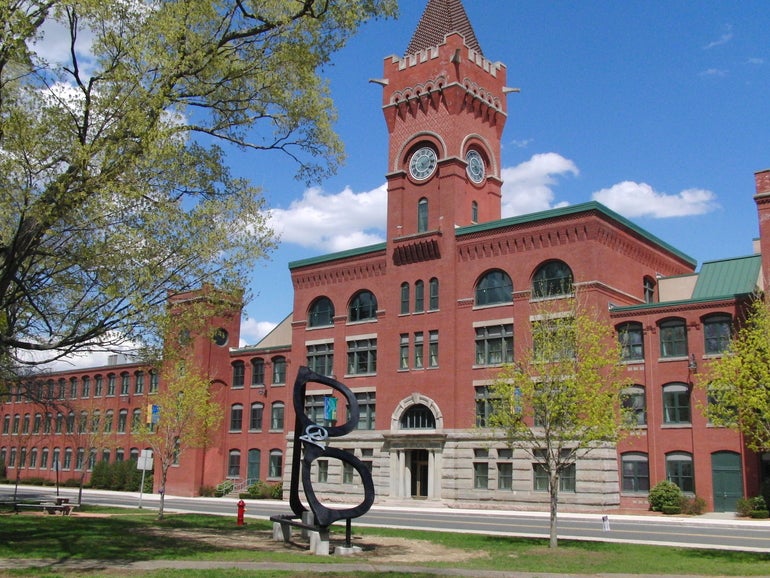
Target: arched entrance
[{"x": 727, "y": 480}]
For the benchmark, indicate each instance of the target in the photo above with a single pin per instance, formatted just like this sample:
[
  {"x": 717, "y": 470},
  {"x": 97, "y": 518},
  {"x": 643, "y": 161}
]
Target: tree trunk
[{"x": 553, "y": 487}]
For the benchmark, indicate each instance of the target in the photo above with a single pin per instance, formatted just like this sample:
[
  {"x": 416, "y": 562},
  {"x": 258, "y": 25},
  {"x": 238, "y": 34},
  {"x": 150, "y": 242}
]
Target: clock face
[
  {"x": 423, "y": 163},
  {"x": 476, "y": 170}
]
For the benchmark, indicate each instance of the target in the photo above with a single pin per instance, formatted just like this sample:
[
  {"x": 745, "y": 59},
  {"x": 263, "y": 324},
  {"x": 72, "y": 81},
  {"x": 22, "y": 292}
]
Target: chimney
[{"x": 762, "y": 182}]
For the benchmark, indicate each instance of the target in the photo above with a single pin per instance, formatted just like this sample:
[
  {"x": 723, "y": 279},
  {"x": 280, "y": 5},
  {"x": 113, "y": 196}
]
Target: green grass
[{"x": 133, "y": 535}]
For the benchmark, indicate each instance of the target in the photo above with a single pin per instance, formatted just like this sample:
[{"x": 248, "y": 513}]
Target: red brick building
[{"x": 419, "y": 325}]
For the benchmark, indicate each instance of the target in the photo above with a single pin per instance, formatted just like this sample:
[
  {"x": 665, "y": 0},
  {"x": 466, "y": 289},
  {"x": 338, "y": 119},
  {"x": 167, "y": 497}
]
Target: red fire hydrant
[{"x": 241, "y": 510}]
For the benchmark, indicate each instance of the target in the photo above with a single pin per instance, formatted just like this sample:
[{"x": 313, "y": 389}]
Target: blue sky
[{"x": 660, "y": 110}]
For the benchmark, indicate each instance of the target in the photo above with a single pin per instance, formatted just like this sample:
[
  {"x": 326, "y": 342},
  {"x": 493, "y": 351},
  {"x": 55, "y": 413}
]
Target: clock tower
[{"x": 444, "y": 105}]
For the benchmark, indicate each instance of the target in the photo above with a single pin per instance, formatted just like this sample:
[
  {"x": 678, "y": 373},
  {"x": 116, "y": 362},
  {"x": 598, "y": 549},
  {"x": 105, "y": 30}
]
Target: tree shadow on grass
[{"x": 104, "y": 538}]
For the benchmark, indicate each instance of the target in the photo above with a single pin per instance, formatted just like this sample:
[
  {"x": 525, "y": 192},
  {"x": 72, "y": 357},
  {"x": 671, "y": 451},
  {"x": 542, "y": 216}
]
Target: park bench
[{"x": 61, "y": 506}]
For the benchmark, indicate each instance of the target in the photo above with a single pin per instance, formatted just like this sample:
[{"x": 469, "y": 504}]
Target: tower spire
[{"x": 440, "y": 18}]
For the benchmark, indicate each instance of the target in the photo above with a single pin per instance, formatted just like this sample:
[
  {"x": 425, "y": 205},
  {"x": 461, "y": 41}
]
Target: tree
[
  {"x": 562, "y": 400},
  {"x": 736, "y": 383},
  {"x": 187, "y": 413},
  {"x": 115, "y": 186}
]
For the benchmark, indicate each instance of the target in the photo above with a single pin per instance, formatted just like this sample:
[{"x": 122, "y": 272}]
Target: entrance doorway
[
  {"x": 418, "y": 466},
  {"x": 727, "y": 480}
]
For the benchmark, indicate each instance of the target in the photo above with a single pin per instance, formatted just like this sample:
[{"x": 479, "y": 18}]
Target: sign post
[{"x": 144, "y": 463}]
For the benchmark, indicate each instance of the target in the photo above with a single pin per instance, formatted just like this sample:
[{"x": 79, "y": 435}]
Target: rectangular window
[
  {"x": 279, "y": 370},
  {"x": 566, "y": 479},
  {"x": 347, "y": 473},
  {"x": 139, "y": 383},
  {"x": 481, "y": 475},
  {"x": 716, "y": 332},
  {"x": 98, "y": 386},
  {"x": 275, "y": 466},
  {"x": 320, "y": 358},
  {"x": 483, "y": 406},
  {"x": 504, "y": 475},
  {"x": 494, "y": 344},
  {"x": 404, "y": 298},
  {"x": 366, "y": 410},
  {"x": 403, "y": 351},
  {"x": 362, "y": 356},
  {"x": 419, "y": 352},
  {"x": 111, "y": 384},
  {"x": 433, "y": 349},
  {"x": 85, "y": 390},
  {"x": 236, "y": 418},
  {"x": 636, "y": 473},
  {"x": 323, "y": 471},
  {"x": 314, "y": 408},
  {"x": 125, "y": 383}
]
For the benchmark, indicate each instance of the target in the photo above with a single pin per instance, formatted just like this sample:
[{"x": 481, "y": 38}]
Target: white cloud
[
  {"x": 333, "y": 222},
  {"x": 632, "y": 199},
  {"x": 726, "y": 37},
  {"x": 252, "y": 331},
  {"x": 528, "y": 187},
  {"x": 714, "y": 72}
]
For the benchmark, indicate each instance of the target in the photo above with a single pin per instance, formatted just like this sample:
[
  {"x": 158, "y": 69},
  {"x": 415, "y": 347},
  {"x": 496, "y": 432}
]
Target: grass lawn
[{"x": 117, "y": 534}]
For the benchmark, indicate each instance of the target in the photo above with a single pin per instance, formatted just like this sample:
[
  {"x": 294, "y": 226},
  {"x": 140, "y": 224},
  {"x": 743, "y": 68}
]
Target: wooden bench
[{"x": 62, "y": 507}]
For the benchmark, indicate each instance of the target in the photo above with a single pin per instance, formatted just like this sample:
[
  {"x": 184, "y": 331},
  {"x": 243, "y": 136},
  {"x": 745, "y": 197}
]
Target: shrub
[
  {"x": 694, "y": 506},
  {"x": 743, "y": 507},
  {"x": 665, "y": 493},
  {"x": 671, "y": 509},
  {"x": 224, "y": 488},
  {"x": 760, "y": 514},
  {"x": 260, "y": 490},
  {"x": 207, "y": 491},
  {"x": 758, "y": 503}
]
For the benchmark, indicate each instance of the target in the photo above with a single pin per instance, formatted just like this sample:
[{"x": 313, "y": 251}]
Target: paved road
[{"x": 711, "y": 531}]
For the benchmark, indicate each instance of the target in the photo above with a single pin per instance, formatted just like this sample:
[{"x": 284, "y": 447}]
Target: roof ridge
[{"x": 442, "y": 17}]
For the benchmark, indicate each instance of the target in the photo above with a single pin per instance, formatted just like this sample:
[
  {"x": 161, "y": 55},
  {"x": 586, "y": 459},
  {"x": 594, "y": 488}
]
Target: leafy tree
[
  {"x": 737, "y": 383},
  {"x": 562, "y": 399},
  {"x": 115, "y": 186},
  {"x": 188, "y": 414}
]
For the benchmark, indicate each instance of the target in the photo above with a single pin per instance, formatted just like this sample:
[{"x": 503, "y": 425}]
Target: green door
[{"x": 727, "y": 480}]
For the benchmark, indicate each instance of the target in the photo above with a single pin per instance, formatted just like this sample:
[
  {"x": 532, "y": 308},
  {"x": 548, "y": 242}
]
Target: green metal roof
[
  {"x": 738, "y": 276},
  {"x": 334, "y": 256},
  {"x": 572, "y": 210}
]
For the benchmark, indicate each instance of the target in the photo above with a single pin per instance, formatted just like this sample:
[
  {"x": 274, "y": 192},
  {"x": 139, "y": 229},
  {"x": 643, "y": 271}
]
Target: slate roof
[{"x": 439, "y": 19}]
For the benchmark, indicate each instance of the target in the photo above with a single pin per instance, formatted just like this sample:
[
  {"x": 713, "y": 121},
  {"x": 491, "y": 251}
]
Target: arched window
[
  {"x": 717, "y": 330},
  {"x": 236, "y": 417},
  {"x": 631, "y": 339},
  {"x": 422, "y": 215},
  {"x": 636, "y": 472},
  {"x": 635, "y": 404},
  {"x": 679, "y": 470},
  {"x": 676, "y": 403},
  {"x": 321, "y": 313},
  {"x": 239, "y": 374},
  {"x": 649, "y": 290},
  {"x": 673, "y": 338},
  {"x": 136, "y": 419},
  {"x": 275, "y": 467},
  {"x": 433, "y": 294},
  {"x": 474, "y": 212},
  {"x": 257, "y": 371},
  {"x": 419, "y": 296},
  {"x": 255, "y": 457},
  {"x": 255, "y": 417},
  {"x": 363, "y": 306},
  {"x": 108, "y": 418},
  {"x": 279, "y": 369},
  {"x": 122, "y": 419},
  {"x": 494, "y": 287},
  {"x": 276, "y": 416},
  {"x": 404, "y": 298},
  {"x": 552, "y": 279},
  {"x": 234, "y": 464},
  {"x": 418, "y": 416}
]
